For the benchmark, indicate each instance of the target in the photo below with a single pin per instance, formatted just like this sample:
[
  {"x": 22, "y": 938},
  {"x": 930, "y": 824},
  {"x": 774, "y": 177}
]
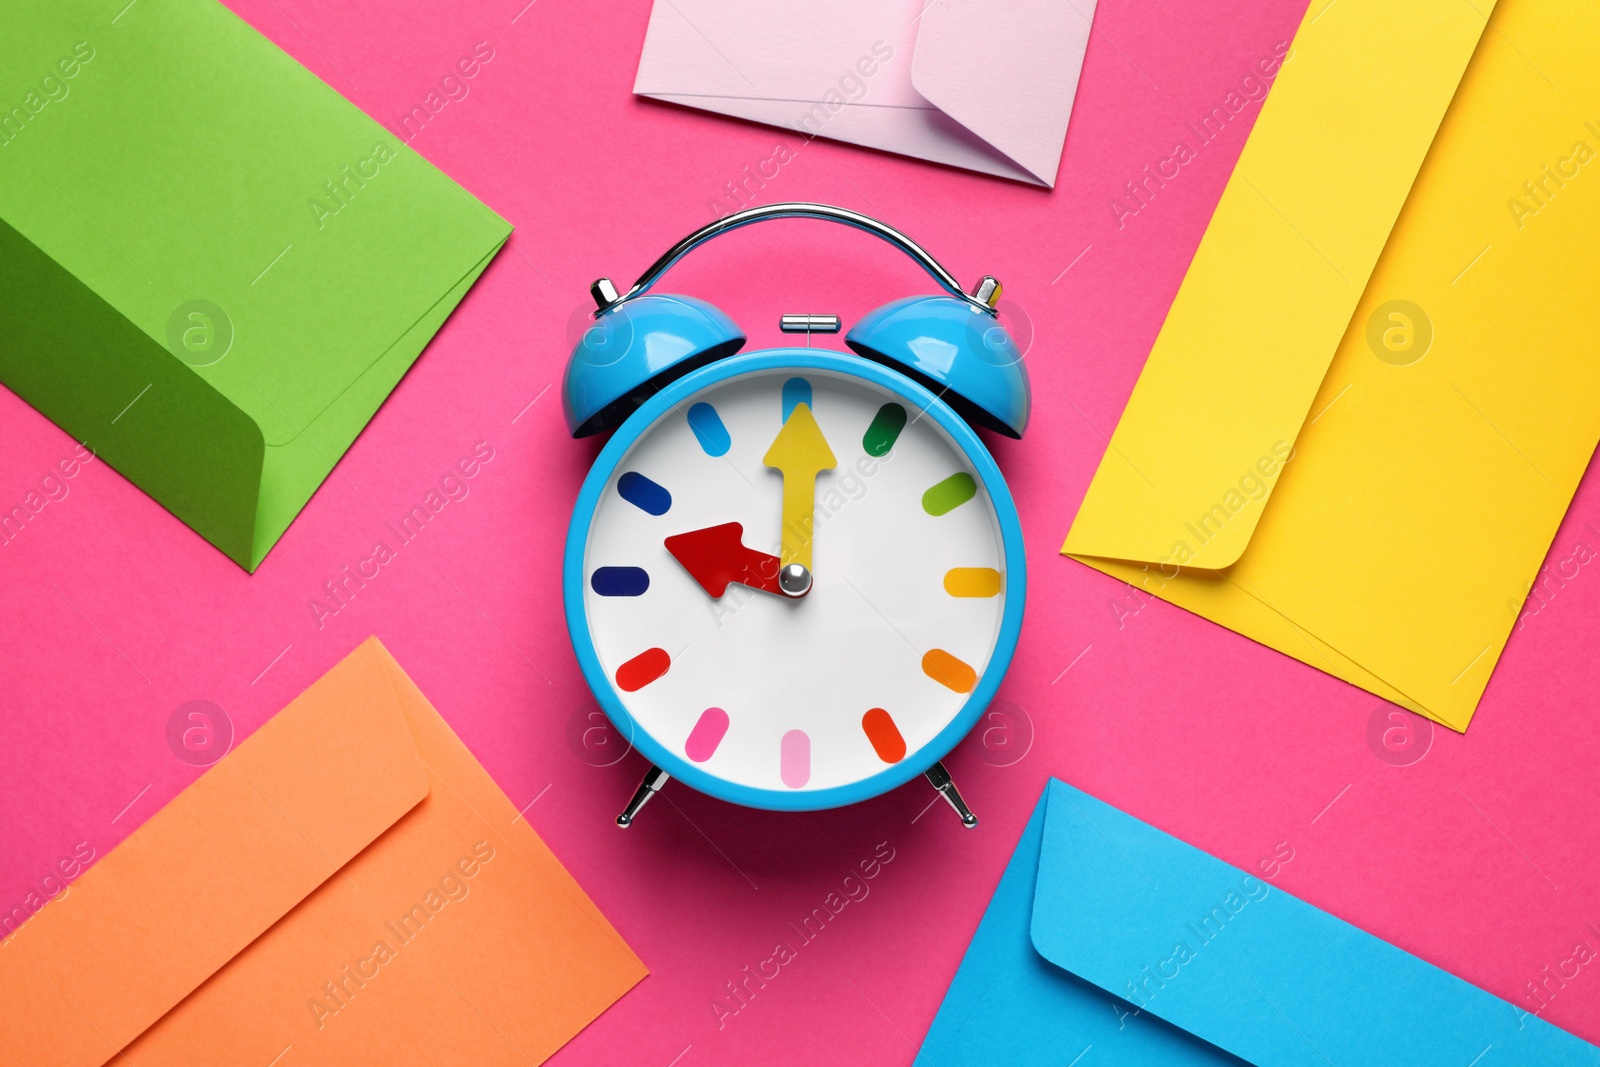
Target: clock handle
[
  {"x": 983, "y": 298},
  {"x": 940, "y": 779},
  {"x": 654, "y": 779}
]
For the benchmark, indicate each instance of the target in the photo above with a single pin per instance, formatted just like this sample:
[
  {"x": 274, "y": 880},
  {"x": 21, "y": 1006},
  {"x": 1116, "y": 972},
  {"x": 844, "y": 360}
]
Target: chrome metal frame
[{"x": 606, "y": 296}]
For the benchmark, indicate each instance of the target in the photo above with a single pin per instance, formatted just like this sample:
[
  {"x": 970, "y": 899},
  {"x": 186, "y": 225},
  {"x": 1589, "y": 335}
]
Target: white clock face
[{"x": 767, "y": 690}]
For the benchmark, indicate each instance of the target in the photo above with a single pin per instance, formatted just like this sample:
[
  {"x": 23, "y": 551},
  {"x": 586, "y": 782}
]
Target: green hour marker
[
  {"x": 949, "y": 494},
  {"x": 885, "y": 428}
]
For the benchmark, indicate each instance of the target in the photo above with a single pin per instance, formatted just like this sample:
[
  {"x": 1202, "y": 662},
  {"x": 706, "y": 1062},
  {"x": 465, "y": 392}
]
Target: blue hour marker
[
  {"x": 709, "y": 430},
  {"x": 619, "y": 581},
  {"x": 796, "y": 391},
  {"x": 644, "y": 494}
]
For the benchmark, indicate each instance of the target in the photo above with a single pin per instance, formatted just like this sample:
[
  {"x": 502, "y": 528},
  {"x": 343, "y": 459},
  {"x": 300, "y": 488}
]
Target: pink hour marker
[
  {"x": 795, "y": 764},
  {"x": 706, "y": 735}
]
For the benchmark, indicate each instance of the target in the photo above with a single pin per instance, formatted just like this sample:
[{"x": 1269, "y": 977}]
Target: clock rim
[{"x": 600, "y": 683}]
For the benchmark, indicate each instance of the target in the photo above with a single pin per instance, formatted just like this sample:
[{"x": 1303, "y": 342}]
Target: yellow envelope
[{"x": 1376, "y": 390}]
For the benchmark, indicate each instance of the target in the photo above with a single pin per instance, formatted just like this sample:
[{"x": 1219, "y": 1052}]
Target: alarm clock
[{"x": 794, "y": 578}]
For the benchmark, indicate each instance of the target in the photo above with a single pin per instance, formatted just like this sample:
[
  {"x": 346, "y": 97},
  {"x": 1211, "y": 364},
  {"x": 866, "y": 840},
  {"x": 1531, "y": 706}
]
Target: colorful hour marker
[
  {"x": 643, "y": 669},
  {"x": 948, "y": 671},
  {"x": 884, "y": 430},
  {"x": 796, "y": 391},
  {"x": 706, "y": 735},
  {"x": 885, "y": 735},
  {"x": 709, "y": 430},
  {"x": 619, "y": 581},
  {"x": 949, "y": 494},
  {"x": 794, "y": 765},
  {"x": 972, "y": 581},
  {"x": 644, "y": 494}
]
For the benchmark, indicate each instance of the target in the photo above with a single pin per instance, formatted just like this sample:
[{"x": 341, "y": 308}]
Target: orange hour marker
[
  {"x": 949, "y": 671},
  {"x": 972, "y": 581},
  {"x": 884, "y": 735}
]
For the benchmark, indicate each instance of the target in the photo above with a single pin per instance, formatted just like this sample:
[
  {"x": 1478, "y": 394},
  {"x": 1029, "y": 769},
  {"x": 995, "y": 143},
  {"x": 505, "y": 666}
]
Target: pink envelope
[{"x": 983, "y": 85}]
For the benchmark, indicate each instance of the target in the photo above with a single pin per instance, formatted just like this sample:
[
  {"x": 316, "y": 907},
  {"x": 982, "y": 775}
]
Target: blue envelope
[{"x": 1109, "y": 943}]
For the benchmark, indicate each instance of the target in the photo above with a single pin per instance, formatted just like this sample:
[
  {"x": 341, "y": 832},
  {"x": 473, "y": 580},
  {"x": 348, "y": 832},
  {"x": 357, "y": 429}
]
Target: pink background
[{"x": 1481, "y": 857}]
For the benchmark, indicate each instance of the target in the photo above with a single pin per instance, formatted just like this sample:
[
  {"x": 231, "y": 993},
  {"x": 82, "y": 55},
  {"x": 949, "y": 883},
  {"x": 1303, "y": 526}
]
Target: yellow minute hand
[{"x": 799, "y": 452}]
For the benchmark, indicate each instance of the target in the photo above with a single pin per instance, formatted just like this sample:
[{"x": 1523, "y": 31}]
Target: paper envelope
[
  {"x": 348, "y": 886},
  {"x": 1395, "y": 291},
  {"x": 983, "y": 85},
  {"x": 1107, "y": 934},
  {"x": 213, "y": 268}
]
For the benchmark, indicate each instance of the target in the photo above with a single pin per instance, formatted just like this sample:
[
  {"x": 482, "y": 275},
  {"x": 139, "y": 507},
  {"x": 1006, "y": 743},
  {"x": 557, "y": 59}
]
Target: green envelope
[{"x": 213, "y": 268}]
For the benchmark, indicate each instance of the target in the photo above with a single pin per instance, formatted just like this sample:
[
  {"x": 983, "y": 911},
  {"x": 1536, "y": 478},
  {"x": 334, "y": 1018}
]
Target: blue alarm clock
[{"x": 794, "y": 578}]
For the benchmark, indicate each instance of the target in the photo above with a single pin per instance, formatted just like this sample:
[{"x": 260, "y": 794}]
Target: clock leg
[
  {"x": 940, "y": 779},
  {"x": 654, "y": 779}
]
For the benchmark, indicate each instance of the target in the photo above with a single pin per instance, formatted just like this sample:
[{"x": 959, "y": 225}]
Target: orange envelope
[{"x": 347, "y": 887}]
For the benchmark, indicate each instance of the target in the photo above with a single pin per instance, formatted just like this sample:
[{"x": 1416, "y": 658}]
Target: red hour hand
[{"x": 716, "y": 556}]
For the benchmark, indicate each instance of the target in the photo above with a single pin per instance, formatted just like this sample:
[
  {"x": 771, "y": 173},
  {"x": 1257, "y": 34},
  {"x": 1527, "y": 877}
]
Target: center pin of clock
[{"x": 794, "y": 580}]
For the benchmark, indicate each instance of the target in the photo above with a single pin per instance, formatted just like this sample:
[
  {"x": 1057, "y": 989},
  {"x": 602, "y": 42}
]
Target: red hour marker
[
  {"x": 885, "y": 735},
  {"x": 643, "y": 669}
]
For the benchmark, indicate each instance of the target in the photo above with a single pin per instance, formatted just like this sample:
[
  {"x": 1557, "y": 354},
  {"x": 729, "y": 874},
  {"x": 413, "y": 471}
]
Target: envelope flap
[
  {"x": 208, "y": 873},
  {"x": 838, "y": 51},
  {"x": 269, "y": 232},
  {"x": 1231, "y": 959},
  {"x": 114, "y": 388},
  {"x": 1275, "y": 280},
  {"x": 1008, "y": 72}
]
